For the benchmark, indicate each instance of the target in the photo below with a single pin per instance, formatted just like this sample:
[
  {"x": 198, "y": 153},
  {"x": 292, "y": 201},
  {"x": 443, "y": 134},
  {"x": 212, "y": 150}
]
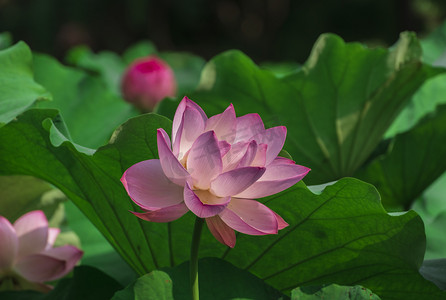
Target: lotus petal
[
  {"x": 274, "y": 138},
  {"x": 250, "y": 217},
  {"x": 8, "y": 245},
  {"x": 222, "y": 232},
  {"x": 235, "y": 181},
  {"x": 166, "y": 214},
  {"x": 204, "y": 160},
  {"x": 32, "y": 232},
  {"x": 172, "y": 168},
  {"x": 148, "y": 187},
  {"x": 223, "y": 125},
  {"x": 281, "y": 174},
  {"x": 203, "y": 203}
]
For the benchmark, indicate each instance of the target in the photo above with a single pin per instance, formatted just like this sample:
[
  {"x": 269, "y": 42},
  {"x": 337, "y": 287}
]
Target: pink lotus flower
[
  {"x": 147, "y": 81},
  {"x": 27, "y": 255},
  {"x": 215, "y": 168}
]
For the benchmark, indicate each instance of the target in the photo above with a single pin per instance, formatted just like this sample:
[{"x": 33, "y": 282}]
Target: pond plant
[{"x": 85, "y": 148}]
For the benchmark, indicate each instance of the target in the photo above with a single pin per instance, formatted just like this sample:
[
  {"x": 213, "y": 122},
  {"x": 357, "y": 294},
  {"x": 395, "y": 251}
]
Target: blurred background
[{"x": 266, "y": 30}]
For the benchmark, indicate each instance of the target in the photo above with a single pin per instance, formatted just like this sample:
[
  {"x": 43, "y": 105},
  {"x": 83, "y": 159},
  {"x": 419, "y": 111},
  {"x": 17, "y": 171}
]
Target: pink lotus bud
[
  {"x": 215, "y": 167},
  {"x": 27, "y": 256},
  {"x": 147, "y": 81}
]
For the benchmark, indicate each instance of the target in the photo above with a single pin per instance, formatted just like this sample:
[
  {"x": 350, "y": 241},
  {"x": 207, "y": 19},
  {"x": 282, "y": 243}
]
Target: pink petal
[
  {"x": 248, "y": 126},
  {"x": 279, "y": 175},
  {"x": 250, "y": 217},
  {"x": 235, "y": 181},
  {"x": 191, "y": 126},
  {"x": 186, "y": 102},
  {"x": 52, "y": 236},
  {"x": 32, "y": 232},
  {"x": 166, "y": 214},
  {"x": 172, "y": 168},
  {"x": 232, "y": 158},
  {"x": 260, "y": 157},
  {"x": 224, "y": 147},
  {"x": 204, "y": 161},
  {"x": 274, "y": 138},
  {"x": 149, "y": 188},
  {"x": 70, "y": 255},
  {"x": 203, "y": 203},
  {"x": 281, "y": 222},
  {"x": 251, "y": 153},
  {"x": 40, "y": 267},
  {"x": 223, "y": 124},
  {"x": 222, "y": 232},
  {"x": 8, "y": 244}
]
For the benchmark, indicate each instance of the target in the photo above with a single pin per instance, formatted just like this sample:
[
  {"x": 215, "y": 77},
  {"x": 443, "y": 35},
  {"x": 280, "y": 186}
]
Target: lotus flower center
[{"x": 207, "y": 197}]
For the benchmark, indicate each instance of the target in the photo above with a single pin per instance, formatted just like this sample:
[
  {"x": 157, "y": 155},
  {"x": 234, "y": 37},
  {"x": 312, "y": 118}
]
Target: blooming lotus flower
[
  {"x": 27, "y": 256},
  {"x": 215, "y": 167},
  {"x": 147, "y": 81}
]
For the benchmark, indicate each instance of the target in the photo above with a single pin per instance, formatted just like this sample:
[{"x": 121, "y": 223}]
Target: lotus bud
[{"x": 147, "y": 81}]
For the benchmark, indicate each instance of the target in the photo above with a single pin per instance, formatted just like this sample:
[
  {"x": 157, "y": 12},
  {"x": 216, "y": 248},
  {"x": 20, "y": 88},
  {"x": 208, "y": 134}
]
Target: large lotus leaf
[
  {"x": 91, "y": 111},
  {"x": 336, "y": 107},
  {"x": 18, "y": 90},
  {"x": 342, "y": 235},
  {"x": 414, "y": 162}
]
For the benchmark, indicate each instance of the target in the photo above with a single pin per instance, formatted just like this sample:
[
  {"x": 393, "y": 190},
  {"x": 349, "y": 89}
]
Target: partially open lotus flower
[
  {"x": 215, "y": 167},
  {"x": 147, "y": 81},
  {"x": 27, "y": 256}
]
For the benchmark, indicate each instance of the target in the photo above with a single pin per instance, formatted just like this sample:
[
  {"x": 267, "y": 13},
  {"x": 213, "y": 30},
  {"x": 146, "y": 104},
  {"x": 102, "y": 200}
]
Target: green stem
[{"x": 194, "y": 258}]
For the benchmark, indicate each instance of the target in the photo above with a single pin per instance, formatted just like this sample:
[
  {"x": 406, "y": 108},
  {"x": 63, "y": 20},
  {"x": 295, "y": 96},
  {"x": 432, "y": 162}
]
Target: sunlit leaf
[
  {"x": 18, "y": 90},
  {"x": 336, "y": 107},
  {"x": 281, "y": 69},
  {"x": 91, "y": 111},
  {"x": 432, "y": 92},
  {"x": 413, "y": 163}
]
